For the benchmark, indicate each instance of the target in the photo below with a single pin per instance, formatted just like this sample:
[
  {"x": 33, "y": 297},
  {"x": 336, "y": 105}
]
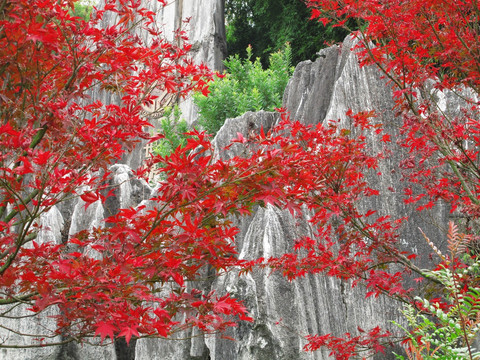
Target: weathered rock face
[
  {"x": 284, "y": 312},
  {"x": 204, "y": 24},
  {"x": 325, "y": 90}
]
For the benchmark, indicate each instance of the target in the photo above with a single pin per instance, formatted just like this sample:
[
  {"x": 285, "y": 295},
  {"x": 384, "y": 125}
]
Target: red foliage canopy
[
  {"x": 56, "y": 142},
  {"x": 429, "y": 52}
]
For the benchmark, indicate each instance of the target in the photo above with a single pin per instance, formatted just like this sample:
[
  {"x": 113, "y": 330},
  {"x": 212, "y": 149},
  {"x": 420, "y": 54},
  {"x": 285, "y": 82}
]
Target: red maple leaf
[{"x": 105, "y": 329}]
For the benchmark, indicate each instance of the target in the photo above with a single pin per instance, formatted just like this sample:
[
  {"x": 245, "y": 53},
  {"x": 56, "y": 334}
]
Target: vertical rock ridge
[{"x": 319, "y": 91}]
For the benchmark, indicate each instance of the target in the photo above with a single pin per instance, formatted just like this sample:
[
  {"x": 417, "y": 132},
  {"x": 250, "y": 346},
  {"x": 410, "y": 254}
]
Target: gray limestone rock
[
  {"x": 51, "y": 224},
  {"x": 206, "y": 33},
  {"x": 86, "y": 218},
  {"x": 248, "y": 123},
  {"x": 285, "y": 312},
  {"x": 309, "y": 92},
  {"x": 203, "y": 23},
  {"x": 128, "y": 191},
  {"x": 204, "y": 26}
]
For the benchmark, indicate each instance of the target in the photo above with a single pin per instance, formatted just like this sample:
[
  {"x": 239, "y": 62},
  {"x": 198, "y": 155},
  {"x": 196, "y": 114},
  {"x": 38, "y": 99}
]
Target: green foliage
[
  {"x": 245, "y": 87},
  {"x": 83, "y": 10},
  {"x": 268, "y": 24},
  {"x": 174, "y": 129},
  {"x": 445, "y": 332}
]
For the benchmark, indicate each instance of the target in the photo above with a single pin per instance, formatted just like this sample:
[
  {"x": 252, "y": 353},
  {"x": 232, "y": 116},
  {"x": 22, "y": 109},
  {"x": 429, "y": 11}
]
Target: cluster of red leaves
[
  {"x": 190, "y": 228},
  {"x": 348, "y": 346},
  {"x": 331, "y": 167},
  {"x": 130, "y": 278},
  {"x": 55, "y": 141},
  {"x": 429, "y": 53},
  {"x": 51, "y": 133},
  {"x": 415, "y": 40}
]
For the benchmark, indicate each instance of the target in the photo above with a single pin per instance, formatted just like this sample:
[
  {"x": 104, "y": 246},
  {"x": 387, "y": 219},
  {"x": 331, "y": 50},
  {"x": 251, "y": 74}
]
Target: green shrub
[
  {"x": 447, "y": 331},
  {"x": 174, "y": 129},
  {"x": 245, "y": 87},
  {"x": 83, "y": 10}
]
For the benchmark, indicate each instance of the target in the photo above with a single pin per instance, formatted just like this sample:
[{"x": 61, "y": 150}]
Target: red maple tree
[
  {"x": 56, "y": 142},
  {"x": 428, "y": 51},
  {"x": 129, "y": 277}
]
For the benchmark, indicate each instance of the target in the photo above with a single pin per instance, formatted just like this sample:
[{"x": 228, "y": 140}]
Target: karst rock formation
[{"x": 285, "y": 311}]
